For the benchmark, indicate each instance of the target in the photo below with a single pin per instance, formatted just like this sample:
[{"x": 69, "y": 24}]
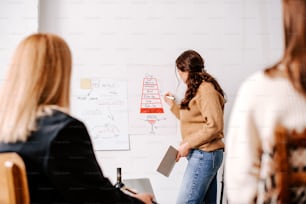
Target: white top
[{"x": 261, "y": 103}]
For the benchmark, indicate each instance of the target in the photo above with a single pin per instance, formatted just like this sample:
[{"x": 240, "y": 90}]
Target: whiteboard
[{"x": 102, "y": 104}]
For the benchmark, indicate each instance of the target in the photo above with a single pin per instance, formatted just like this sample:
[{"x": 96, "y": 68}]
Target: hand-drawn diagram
[
  {"x": 151, "y": 103},
  {"x": 150, "y": 97},
  {"x": 102, "y": 105}
]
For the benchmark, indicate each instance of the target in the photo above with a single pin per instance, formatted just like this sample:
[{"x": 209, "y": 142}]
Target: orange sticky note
[{"x": 85, "y": 83}]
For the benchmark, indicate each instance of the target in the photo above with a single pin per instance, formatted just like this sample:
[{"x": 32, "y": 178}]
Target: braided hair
[{"x": 190, "y": 61}]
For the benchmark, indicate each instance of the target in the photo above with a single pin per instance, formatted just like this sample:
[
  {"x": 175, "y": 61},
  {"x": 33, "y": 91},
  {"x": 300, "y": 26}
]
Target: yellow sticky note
[{"x": 85, "y": 84}]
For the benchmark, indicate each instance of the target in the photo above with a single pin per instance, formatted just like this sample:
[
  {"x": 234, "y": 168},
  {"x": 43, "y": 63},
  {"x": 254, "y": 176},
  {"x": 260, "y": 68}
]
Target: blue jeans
[{"x": 199, "y": 183}]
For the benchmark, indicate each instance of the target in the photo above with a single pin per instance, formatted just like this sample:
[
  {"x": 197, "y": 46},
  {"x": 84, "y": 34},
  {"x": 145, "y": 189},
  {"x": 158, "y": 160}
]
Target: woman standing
[
  {"x": 269, "y": 99},
  {"x": 35, "y": 123},
  {"x": 201, "y": 122}
]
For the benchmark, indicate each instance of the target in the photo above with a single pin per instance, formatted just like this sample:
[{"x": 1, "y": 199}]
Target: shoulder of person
[
  {"x": 206, "y": 88},
  {"x": 256, "y": 77},
  {"x": 254, "y": 82},
  {"x": 59, "y": 119}
]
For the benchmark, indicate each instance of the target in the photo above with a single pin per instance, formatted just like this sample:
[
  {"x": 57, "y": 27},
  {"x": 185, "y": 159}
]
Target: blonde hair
[{"x": 38, "y": 80}]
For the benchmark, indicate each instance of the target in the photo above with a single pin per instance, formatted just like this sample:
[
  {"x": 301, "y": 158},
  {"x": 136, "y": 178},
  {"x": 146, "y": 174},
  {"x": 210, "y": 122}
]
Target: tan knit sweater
[{"x": 202, "y": 125}]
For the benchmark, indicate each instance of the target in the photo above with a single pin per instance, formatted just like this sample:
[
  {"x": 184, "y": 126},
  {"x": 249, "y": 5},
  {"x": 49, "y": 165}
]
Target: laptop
[{"x": 138, "y": 185}]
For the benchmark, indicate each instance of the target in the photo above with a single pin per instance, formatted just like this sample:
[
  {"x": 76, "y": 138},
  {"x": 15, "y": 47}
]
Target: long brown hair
[
  {"x": 38, "y": 78},
  {"x": 294, "y": 58},
  {"x": 190, "y": 61}
]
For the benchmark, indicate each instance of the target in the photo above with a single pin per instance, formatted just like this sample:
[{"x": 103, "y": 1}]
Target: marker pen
[{"x": 170, "y": 97}]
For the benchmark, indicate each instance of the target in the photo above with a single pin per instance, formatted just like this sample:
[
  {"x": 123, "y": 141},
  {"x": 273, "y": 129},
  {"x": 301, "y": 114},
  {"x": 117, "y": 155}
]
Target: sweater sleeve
[
  {"x": 175, "y": 109},
  {"x": 242, "y": 149},
  {"x": 72, "y": 167},
  {"x": 209, "y": 105}
]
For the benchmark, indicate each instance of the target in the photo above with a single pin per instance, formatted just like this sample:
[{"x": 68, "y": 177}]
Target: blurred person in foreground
[
  {"x": 35, "y": 122},
  {"x": 269, "y": 98}
]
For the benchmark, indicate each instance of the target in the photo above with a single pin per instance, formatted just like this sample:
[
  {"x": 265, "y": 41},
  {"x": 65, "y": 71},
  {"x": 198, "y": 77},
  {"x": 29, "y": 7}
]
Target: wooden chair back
[{"x": 13, "y": 179}]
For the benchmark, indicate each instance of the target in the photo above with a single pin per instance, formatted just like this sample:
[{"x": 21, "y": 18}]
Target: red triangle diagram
[{"x": 150, "y": 97}]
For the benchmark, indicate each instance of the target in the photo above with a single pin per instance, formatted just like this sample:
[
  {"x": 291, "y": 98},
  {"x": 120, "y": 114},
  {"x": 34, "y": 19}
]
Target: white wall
[
  {"x": 115, "y": 38},
  {"x": 111, "y": 37},
  {"x": 17, "y": 20}
]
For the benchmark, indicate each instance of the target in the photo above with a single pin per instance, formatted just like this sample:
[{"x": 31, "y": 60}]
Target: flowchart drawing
[
  {"x": 150, "y": 97},
  {"x": 102, "y": 105},
  {"x": 151, "y": 103}
]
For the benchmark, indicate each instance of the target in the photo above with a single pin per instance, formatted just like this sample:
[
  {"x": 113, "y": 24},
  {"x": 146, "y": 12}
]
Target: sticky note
[{"x": 85, "y": 83}]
